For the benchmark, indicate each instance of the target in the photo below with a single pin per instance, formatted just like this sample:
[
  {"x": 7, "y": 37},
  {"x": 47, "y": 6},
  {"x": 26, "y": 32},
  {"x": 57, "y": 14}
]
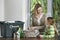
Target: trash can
[
  {"x": 2, "y": 27},
  {"x": 10, "y": 28}
]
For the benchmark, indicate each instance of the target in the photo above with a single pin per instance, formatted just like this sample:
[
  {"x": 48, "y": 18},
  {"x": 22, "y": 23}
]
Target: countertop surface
[
  {"x": 20, "y": 39},
  {"x": 24, "y": 39}
]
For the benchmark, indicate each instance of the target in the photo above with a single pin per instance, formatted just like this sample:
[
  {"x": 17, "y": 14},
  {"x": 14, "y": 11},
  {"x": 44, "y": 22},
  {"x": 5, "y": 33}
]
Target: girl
[{"x": 50, "y": 29}]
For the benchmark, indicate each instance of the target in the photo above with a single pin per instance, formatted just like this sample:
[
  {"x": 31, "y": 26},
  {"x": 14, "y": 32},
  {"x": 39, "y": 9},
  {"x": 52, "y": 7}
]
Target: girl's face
[
  {"x": 40, "y": 10},
  {"x": 50, "y": 21}
]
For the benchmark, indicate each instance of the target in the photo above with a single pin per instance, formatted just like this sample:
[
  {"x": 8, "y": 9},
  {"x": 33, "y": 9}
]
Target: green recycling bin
[{"x": 10, "y": 28}]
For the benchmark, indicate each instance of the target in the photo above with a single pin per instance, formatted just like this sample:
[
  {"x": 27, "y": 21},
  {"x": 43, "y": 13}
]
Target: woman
[{"x": 38, "y": 20}]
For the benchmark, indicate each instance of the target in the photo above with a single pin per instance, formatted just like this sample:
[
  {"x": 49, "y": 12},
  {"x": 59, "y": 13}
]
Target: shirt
[{"x": 49, "y": 32}]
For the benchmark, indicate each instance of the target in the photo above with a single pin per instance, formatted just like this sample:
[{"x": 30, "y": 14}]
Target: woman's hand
[
  {"x": 41, "y": 36},
  {"x": 31, "y": 29}
]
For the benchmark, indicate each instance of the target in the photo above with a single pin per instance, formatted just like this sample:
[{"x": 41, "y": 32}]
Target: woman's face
[{"x": 40, "y": 10}]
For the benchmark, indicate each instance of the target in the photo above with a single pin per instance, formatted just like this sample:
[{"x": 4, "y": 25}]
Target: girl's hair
[
  {"x": 36, "y": 7},
  {"x": 49, "y": 18}
]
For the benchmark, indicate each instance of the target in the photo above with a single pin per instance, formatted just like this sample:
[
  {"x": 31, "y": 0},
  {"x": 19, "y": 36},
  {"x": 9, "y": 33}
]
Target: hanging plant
[
  {"x": 42, "y": 2},
  {"x": 56, "y": 9}
]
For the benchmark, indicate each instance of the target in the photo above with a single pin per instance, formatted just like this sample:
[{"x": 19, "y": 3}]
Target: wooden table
[
  {"x": 20, "y": 39},
  {"x": 30, "y": 39}
]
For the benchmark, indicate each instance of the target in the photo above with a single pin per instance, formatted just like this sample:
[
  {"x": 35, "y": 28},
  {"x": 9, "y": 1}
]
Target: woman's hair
[{"x": 36, "y": 7}]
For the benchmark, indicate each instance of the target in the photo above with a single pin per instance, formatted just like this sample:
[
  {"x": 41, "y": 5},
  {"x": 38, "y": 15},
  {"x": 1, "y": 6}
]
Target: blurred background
[{"x": 22, "y": 10}]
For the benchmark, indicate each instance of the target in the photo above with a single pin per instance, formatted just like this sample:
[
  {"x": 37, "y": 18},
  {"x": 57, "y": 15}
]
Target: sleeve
[{"x": 52, "y": 33}]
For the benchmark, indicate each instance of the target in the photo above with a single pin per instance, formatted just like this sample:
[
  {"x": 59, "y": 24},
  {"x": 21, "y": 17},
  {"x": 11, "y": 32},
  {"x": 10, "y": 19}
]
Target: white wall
[
  {"x": 13, "y": 10},
  {"x": 17, "y": 10},
  {"x": 49, "y": 8},
  {"x": 26, "y": 13},
  {"x": 1, "y": 10}
]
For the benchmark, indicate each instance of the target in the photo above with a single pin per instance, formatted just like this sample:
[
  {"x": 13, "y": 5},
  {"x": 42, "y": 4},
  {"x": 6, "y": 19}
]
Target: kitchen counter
[{"x": 20, "y": 39}]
